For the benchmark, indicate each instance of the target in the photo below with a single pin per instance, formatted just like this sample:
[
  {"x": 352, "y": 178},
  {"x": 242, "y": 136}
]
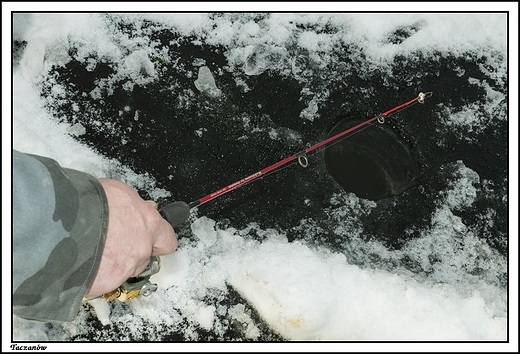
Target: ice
[
  {"x": 258, "y": 58},
  {"x": 102, "y": 309},
  {"x": 310, "y": 112},
  {"x": 205, "y": 83}
]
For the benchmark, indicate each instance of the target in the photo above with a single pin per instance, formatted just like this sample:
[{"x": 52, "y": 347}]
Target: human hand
[{"x": 136, "y": 231}]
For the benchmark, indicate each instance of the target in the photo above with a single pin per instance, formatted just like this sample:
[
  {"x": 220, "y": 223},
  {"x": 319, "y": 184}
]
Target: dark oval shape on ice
[{"x": 374, "y": 162}]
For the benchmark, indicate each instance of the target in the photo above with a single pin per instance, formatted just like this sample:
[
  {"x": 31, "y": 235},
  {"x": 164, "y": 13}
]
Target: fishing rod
[
  {"x": 301, "y": 157},
  {"x": 178, "y": 212}
]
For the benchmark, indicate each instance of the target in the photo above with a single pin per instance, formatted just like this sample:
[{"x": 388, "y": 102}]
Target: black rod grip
[{"x": 175, "y": 213}]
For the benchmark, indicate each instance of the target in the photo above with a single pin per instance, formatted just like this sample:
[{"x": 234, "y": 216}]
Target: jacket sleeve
[{"x": 60, "y": 220}]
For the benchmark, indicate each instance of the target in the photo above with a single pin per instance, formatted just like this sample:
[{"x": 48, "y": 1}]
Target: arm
[
  {"x": 66, "y": 244},
  {"x": 60, "y": 219}
]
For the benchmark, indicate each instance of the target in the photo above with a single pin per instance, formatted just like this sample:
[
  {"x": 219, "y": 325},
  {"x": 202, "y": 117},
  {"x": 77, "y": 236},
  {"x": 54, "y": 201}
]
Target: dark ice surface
[{"x": 401, "y": 169}]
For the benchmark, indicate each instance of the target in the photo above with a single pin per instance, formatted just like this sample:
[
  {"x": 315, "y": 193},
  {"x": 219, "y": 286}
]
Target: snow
[
  {"x": 139, "y": 62},
  {"x": 302, "y": 291}
]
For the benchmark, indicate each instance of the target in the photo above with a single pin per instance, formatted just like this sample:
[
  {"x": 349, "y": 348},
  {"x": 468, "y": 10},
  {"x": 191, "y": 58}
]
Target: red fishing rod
[
  {"x": 301, "y": 157},
  {"x": 178, "y": 212}
]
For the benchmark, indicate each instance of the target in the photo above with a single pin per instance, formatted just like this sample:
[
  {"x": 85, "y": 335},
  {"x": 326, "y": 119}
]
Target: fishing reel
[
  {"x": 175, "y": 214},
  {"x": 139, "y": 285}
]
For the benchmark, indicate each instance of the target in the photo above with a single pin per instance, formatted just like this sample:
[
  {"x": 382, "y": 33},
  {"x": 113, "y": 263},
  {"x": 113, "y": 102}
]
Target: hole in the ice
[{"x": 374, "y": 163}]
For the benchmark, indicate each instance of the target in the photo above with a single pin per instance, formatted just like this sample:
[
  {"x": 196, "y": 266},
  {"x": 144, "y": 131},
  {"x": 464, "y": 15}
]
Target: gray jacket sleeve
[{"x": 60, "y": 219}]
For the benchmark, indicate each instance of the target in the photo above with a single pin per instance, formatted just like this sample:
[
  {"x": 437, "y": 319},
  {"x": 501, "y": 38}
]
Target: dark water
[
  {"x": 235, "y": 141},
  {"x": 374, "y": 162}
]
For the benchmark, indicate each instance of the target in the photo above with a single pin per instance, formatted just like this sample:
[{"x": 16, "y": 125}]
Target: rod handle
[{"x": 175, "y": 213}]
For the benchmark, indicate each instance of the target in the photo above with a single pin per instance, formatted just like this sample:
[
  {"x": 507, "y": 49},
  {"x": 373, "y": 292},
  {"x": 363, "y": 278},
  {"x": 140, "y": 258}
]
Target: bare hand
[{"x": 136, "y": 231}]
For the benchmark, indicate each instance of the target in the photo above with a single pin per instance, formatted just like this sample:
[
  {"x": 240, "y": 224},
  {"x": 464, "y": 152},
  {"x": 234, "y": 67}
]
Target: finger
[
  {"x": 166, "y": 239},
  {"x": 140, "y": 267},
  {"x": 151, "y": 202}
]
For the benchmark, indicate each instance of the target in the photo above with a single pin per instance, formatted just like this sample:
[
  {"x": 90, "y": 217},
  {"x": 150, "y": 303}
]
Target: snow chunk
[
  {"x": 241, "y": 315},
  {"x": 77, "y": 129},
  {"x": 204, "y": 229},
  {"x": 102, "y": 310},
  {"x": 139, "y": 62},
  {"x": 205, "y": 83},
  {"x": 205, "y": 316},
  {"x": 462, "y": 192},
  {"x": 31, "y": 63},
  {"x": 258, "y": 58},
  {"x": 311, "y": 110}
]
